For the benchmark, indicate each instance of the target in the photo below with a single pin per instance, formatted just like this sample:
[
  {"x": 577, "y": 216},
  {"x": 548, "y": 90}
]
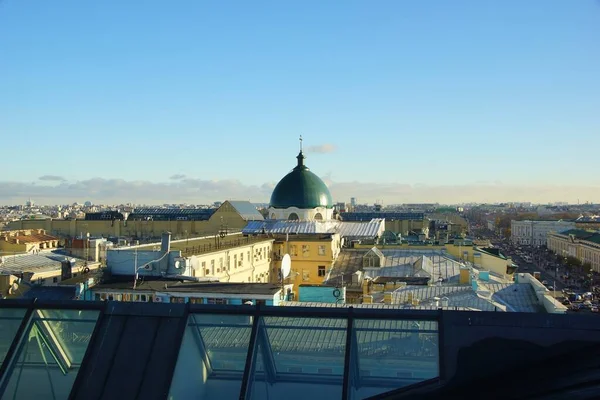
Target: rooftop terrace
[{"x": 106, "y": 350}]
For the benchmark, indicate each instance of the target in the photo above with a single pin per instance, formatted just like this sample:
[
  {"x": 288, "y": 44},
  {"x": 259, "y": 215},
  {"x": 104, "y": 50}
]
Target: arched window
[
  {"x": 293, "y": 217},
  {"x": 273, "y": 216},
  {"x": 318, "y": 217}
]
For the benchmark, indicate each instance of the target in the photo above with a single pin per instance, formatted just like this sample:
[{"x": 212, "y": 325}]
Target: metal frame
[
  {"x": 258, "y": 336},
  {"x": 246, "y": 387},
  {"x": 93, "y": 339}
]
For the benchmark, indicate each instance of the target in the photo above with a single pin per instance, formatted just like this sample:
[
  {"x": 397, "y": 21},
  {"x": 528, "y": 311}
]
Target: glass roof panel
[
  {"x": 394, "y": 353},
  {"x": 299, "y": 358},
  {"x": 212, "y": 357},
  {"x": 307, "y": 345},
  {"x": 51, "y": 354},
  {"x": 10, "y": 320}
]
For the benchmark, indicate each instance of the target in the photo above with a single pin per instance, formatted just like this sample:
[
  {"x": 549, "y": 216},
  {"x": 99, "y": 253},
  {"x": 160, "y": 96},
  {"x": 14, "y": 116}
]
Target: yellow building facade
[
  {"x": 312, "y": 258},
  {"x": 583, "y": 245},
  {"x": 26, "y": 241}
]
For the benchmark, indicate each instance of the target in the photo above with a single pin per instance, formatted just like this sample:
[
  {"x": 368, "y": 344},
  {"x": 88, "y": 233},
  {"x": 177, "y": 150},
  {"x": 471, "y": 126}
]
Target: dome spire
[{"x": 300, "y": 156}]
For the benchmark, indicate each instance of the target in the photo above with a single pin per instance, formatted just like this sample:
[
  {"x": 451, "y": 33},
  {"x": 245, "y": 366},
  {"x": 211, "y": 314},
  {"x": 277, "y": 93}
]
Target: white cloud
[
  {"x": 177, "y": 177},
  {"x": 199, "y": 191},
  {"x": 52, "y": 178},
  {"x": 322, "y": 148}
]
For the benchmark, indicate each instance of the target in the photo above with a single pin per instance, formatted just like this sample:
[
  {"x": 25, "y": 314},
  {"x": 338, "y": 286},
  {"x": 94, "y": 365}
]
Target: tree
[{"x": 587, "y": 267}]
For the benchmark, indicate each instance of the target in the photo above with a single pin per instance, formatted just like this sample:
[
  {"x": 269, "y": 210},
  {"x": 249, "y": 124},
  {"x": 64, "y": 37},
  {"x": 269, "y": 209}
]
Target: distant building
[
  {"x": 589, "y": 222},
  {"x": 534, "y": 233},
  {"x": 231, "y": 258},
  {"x": 578, "y": 243},
  {"x": 146, "y": 223},
  {"x": 26, "y": 241}
]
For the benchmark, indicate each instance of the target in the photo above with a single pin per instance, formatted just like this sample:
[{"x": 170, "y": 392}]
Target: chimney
[{"x": 165, "y": 244}]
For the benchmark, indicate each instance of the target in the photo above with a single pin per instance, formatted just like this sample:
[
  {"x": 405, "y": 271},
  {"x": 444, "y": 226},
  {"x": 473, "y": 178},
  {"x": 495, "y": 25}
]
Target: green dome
[{"x": 302, "y": 189}]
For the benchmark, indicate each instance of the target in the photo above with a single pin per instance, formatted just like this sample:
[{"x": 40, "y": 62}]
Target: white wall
[
  {"x": 546, "y": 300},
  {"x": 250, "y": 263},
  {"x": 303, "y": 214},
  {"x": 535, "y": 233}
]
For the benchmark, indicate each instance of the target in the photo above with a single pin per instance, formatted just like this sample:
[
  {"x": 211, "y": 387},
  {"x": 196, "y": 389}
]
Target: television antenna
[{"x": 286, "y": 266}]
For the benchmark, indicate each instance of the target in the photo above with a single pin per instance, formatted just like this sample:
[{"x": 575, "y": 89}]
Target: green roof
[
  {"x": 582, "y": 234},
  {"x": 302, "y": 189}
]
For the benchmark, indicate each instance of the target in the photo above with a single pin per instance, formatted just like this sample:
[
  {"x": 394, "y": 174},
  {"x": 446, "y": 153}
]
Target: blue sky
[{"x": 419, "y": 93}]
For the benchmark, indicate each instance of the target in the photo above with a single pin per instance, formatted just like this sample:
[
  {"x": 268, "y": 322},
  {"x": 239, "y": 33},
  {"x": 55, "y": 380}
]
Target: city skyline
[
  {"x": 185, "y": 190},
  {"x": 195, "y": 102}
]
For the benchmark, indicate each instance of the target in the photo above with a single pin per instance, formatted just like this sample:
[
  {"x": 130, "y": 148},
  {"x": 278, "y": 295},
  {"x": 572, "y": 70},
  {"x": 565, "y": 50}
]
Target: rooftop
[
  {"x": 515, "y": 297},
  {"x": 41, "y": 262},
  {"x": 96, "y": 350},
  {"x": 581, "y": 234},
  {"x": 205, "y": 244},
  {"x": 398, "y": 263},
  {"x": 388, "y": 215},
  {"x": 370, "y": 229},
  {"x": 172, "y": 285}
]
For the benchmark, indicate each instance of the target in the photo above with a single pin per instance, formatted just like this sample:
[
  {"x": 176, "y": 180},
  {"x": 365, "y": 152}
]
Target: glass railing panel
[
  {"x": 10, "y": 320},
  {"x": 393, "y": 353},
  {"x": 299, "y": 358},
  {"x": 212, "y": 357},
  {"x": 49, "y": 358}
]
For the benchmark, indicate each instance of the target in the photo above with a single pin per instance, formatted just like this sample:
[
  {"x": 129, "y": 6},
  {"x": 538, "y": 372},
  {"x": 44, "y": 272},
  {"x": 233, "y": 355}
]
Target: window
[
  {"x": 196, "y": 300},
  {"x": 221, "y": 265},
  {"x": 322, "y": 250},
  {"x": 235, "y": 260},
  {"x": 293, "y": 250},
  {"x": 293, "y": 217},
  {"x": 305, "y": 250},
  {"x": 318, "y": 217},
  {"x": 212, "y": 267},
  {"x": 55, "y": 280},
  {"x": 216, "y": 301},
  {"x": 248, "y": 255},
  {"x": 321, "y": 270},
  {"x": 177, "y": 299}
]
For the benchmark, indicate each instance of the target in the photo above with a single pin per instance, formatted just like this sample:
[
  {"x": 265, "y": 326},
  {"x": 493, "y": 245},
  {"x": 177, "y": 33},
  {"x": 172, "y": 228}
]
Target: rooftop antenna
[{"x": 300, "y": 143}]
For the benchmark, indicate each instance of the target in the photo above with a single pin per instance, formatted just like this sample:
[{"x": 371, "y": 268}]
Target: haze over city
[{"x": 465, "y": 101}]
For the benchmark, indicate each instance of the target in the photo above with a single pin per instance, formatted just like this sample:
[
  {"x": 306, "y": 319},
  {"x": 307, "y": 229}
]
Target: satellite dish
[{"x": 286, "y": 266}]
